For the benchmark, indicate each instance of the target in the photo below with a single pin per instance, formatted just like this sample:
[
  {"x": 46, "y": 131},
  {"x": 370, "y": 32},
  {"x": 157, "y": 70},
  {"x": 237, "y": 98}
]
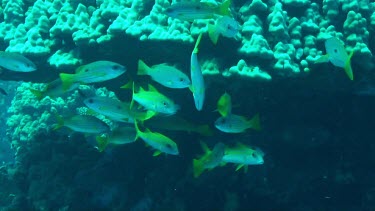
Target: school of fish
[{"x": 149, "y": 110}]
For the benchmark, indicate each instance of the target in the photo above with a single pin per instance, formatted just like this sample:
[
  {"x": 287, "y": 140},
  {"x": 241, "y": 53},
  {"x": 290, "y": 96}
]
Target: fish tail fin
[
  {"x": 205, "y": 148},
  {"x": 91, "y": 112},
  {"x": 67, "y": 80},
  {"x": 205, "y": 130},
  {"x": 348, "y": 66},
  {"x": 322, "y": 59},
  {"x": 102, "y": 142},
  {"x": 239, "y": 166},
  {"x": 245, "y": 167},
  {"x": 132, "y": 102},
  {"x": 197, "y": 43},
  {"x": 38, "y": 94},
  {"x": 142, "y": 68},
  {"x": 212, "y": 33},
  {"x": 136, "y": 129},
  {"x": 128, "y": 85},
  {"x": 60, "y": 122},
  {"x": 255, "y": 122},
  {"x": 198, "y": 168},
  {"x": 156, "y": 153},
  {"x": 148, "y": 115},
  {"x": 224, "y": 8}
]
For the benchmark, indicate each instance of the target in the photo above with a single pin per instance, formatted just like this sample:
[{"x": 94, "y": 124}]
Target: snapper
[
  {"x": 16, "y": 62},
  {"x": 243, "y": 156},
  {"x": 165, "y": 75},
  {"x": 225, "y": 26},
  {"x": 209, "y": 160},
  {"x": 119, "y": 136},
  {"x": 197, "y": 81},
  {"x": 224, "y": 105},
  {"x": 116, "y": 110},
  {"x": 94, "y": 72},
  {"x": 337, "y": 55},
  {"x": 190, "y": 11},
  {"x": 83, "y": 124},
  {"x": 237, "y": 124},
  {"x": 153, "y": 100},
  {"x": 158, "y": 141}
]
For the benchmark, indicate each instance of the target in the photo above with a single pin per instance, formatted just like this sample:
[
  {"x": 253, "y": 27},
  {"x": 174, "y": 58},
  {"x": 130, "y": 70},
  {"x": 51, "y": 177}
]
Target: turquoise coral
[{"x": 40, "y": 28}]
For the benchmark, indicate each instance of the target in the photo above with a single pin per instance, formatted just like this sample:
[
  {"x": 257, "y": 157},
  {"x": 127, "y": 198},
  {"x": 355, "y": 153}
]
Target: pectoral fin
[{"x": 322, "y": 59}]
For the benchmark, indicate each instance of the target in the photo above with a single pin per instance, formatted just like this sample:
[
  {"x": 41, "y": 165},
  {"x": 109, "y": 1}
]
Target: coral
[
  {"x": 242, "y": 69},
  {"x": 284, "y": 53},
  {"x": 277, "y": 21},
  {"x": 330, "y": 11},
  {"x": 311, "y": 20},
  {"x": 54, "y": 29},
  {"x": 65, "y": 60},
  {"x": 297, "y": 3},
  {"x": 256, "y": 46},
  {"x": 210, "y": 67},
  {"x": 356, "y": 33},
  {"x": 29, "y": 116}
]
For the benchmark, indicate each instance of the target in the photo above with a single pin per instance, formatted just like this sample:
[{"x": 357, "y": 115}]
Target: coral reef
[
  {"x": 28, "y": 116},
  {"x": 271, "y": 31}
]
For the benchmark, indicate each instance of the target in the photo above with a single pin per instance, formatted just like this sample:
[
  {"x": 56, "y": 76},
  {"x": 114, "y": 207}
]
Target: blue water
[{"x": 318, "y": 139}]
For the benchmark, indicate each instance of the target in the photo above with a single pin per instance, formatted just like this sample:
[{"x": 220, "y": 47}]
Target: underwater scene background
[{"x": 275, "y": 110}]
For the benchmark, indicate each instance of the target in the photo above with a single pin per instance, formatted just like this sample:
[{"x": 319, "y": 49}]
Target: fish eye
[
  {"x": 164, "y": 103},
  {"x": 335, "y": 50},
  {"x": 169, "y": 146},
  {"x": 118, "y": 107},
  {"x": 116, "y": 67},
  {"x": 181, "y": 79},
  {"x": 86, "y": 70},
  {"x": 91, "y": 100},
  {"x": 197, "y": 7},
  {"x": 254, "y": 155}
]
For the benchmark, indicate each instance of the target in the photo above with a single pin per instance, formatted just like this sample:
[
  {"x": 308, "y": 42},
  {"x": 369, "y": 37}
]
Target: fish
[
  {"x": 3, "y": 92},
  {"x": 224, "y": 105},
  {"x": 119, "y": 136},
  {"x": 237, "y": 124},
  {"x": 94, "y": 72},
  {"x": 16, "y": 62},
  {"x": 82, "y": 123},
  {"x": 243, "y": 156},
  {"x": 165, "y": 75},
  {"x": 190, "y": 11},
  {"x": 197, "y": 81},
  {"x": 225, "y": 26},
  {"x": 158, "y": 141},
  {"x": 53, "y": 89},
  {"x": 210, "y": 159},
  {"x": 337, "y": 55},
  {"x": 116, "y": 110},
  {"x": 176, "y": 123},
  {"x": 153, "y": 100}
]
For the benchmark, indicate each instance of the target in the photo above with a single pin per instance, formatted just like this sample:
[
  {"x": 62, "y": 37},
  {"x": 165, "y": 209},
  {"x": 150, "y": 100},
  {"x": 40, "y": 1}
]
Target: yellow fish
[
  {"x": 158, "y": 141},
  {"x": 243, "y": 156},
  {"x": 94, "y": 72},
  {"x": 337, "y": 55},
  {"x": 209, "y": 160},
  {"x": 190, "y": 11},
  {"x": 224, "y": 105}
]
